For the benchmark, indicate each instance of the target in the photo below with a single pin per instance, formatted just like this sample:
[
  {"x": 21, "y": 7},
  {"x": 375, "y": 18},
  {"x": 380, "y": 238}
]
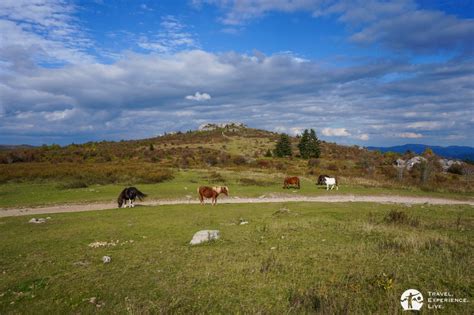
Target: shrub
[
  {"x": 456, "y": 168},
  {"x": 314, "y": 162},
  {"x": 332, "y": 167},
  {"x": 304, "y": 301},
  {"x": 239, "y": 160},
  {"x": 401, "y": 218}
]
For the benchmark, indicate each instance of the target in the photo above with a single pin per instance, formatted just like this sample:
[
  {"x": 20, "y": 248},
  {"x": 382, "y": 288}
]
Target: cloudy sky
[{"x": 358, "y": 72}]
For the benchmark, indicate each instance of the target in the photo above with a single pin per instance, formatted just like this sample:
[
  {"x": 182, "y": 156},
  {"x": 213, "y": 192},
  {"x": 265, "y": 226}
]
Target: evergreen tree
[
  {"x": 283, "y": 146},
  {"x": 309, "y": 145}
]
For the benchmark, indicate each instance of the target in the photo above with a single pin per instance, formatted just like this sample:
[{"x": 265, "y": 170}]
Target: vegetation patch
[{"x": 401, "y": 218}]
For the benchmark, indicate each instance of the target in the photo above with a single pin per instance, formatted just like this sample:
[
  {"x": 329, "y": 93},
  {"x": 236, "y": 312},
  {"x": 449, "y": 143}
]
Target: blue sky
[{"x": 358, "y": 72}]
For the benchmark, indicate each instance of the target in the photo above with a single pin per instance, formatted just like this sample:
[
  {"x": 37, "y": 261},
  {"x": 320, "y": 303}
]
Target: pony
[
  {"x": 321, "y": 180},
  {"x": 212, "y": 192},
  {"x": 129, "y": 194},
  {"x": 331, "y": 181},
  {"x": 291, "y": 181}
]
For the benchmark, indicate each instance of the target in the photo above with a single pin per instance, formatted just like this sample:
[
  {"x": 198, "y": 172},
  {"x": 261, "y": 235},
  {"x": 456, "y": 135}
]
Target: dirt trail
[{"x": 338, "y": 198}]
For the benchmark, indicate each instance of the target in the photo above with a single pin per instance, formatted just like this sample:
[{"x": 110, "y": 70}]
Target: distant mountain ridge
[
  {"x": 14, "y": 147},
  {"x": 453, "y": 152}
]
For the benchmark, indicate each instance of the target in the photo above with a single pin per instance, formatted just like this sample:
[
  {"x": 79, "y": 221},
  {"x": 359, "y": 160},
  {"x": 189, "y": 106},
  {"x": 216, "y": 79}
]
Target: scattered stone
[
  {"x": 205, "y": 236},
  {"x": 102, "y": 244},
  {"x": 273, "y": 248},
  {"x": 48, "y": 218},
  {"x": 106, "y": 259},
  {"x": 243, "y": 222},
  {"x": 37, "y": 221}
]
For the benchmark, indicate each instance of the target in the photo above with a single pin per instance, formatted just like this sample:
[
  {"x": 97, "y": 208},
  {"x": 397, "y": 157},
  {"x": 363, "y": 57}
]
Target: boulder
[{"x": 205, "y": 236}]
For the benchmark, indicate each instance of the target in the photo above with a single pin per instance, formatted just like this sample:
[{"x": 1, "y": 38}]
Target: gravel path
[{"x": 263, "y": 199}]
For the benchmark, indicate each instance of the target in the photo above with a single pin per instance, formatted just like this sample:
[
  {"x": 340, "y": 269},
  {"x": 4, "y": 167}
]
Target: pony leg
[{"x": 132, "y": 203}]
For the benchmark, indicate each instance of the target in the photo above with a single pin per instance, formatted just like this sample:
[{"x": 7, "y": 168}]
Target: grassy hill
[{"x": 230, "y": 155}]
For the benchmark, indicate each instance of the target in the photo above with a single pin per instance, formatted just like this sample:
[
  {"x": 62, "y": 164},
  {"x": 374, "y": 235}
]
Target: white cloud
[
  {"x": 335, "y": 132},
  {"x": 425, "y": 125},
  {"x": 198, "y": 97},
  {"x": 363, "y": 137},
  {"x": 261, "y": 91},
  {"x": 42, "y": 30},
  {"x": 171, "y": 37},
  {"x": 410, "y": 135}
]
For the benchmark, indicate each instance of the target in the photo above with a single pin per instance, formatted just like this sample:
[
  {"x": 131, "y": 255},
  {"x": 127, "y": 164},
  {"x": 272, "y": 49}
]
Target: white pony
[{"x": 331, "y": 181}]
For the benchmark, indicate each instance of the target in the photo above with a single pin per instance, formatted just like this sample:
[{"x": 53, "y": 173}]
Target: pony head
[
  {"x": 221, "y": 190},
  {"x": 225, "y": 190}
]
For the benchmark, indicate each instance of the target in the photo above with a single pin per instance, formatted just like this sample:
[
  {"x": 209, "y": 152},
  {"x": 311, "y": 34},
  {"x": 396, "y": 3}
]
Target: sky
[{"x": 358, "y": 72}]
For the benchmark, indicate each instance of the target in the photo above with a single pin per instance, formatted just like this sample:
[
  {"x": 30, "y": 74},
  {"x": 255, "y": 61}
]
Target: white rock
[
  {"x": 244, "y": 222},
  {"x": 205, "y": 236},
  {"x": 40, "y": 220},
  {"x": 106, "y": 259}
]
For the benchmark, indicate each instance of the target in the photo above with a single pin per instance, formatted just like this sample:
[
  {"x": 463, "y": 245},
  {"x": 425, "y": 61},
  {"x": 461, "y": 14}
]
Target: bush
[
  {"x": 332, "y": 167},
  {"x": 456, "y": 168},
  {"x": 401, "y": 218},
  {"x": 239, "y": 160},
  {"x": 314, "y": 162}
]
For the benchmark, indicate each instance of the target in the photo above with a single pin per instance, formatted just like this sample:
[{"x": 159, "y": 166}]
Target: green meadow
[
  {"x": 184, "y": 184},
  {"x": 291, "y": 258}
]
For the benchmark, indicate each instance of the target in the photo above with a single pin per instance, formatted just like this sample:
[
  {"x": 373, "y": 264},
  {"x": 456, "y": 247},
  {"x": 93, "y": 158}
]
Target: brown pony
[
  {"x": 212, "y": 192},
  {"x": 291, "y": 181}
]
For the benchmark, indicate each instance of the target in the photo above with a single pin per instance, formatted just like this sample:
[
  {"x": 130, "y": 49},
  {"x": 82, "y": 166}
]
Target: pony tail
[{"x": 140, "y": 195}]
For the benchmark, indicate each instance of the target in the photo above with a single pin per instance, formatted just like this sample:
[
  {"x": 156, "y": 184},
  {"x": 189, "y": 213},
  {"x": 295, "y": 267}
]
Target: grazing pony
[
  {"x": 331, "y": 181},
  {"x": 291, "y": 181},
  {"x": 212, "y": 192},
  {"x": 321, "y": 180},
  {"x": 129, "y": 194}
]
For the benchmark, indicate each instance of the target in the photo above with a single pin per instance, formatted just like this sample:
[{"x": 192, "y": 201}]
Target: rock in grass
[
  {"x": 106, "y": 259},
  {"x": 205, "y": 236},
  {"x": 37, "y": 221}
]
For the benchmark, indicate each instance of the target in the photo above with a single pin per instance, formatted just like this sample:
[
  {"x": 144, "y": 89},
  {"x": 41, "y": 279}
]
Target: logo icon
[{"x": 411, "y": 300}]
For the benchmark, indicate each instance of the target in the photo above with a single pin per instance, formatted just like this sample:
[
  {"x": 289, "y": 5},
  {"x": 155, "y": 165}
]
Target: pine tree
[
  {"x": 283, "y": 146},
  {"x": 309, "y": 145}
]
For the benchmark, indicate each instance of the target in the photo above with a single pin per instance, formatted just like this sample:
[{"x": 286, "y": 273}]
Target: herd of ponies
[{"x": 128, "y": 196}]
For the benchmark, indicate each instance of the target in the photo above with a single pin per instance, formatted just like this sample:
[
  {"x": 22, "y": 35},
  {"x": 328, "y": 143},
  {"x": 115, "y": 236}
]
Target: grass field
[
  {"x": 290, "y": 258},
  {"x": 184, "y": 184}
]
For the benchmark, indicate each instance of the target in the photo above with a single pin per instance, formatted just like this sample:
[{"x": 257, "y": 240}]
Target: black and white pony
[
  {"x": 328, "y": 181},
  {"x": 128, "y": 195}
]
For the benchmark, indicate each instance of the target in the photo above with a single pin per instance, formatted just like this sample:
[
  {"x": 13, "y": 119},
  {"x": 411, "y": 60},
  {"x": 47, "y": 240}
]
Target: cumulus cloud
[
  {"x": 97, "y": 101},
  {"x": 363, "y": 137},
  {"x": 198, "y": 97},
  {"x": 335, "y": 132},
  {"x": 410, "y": 135}
]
